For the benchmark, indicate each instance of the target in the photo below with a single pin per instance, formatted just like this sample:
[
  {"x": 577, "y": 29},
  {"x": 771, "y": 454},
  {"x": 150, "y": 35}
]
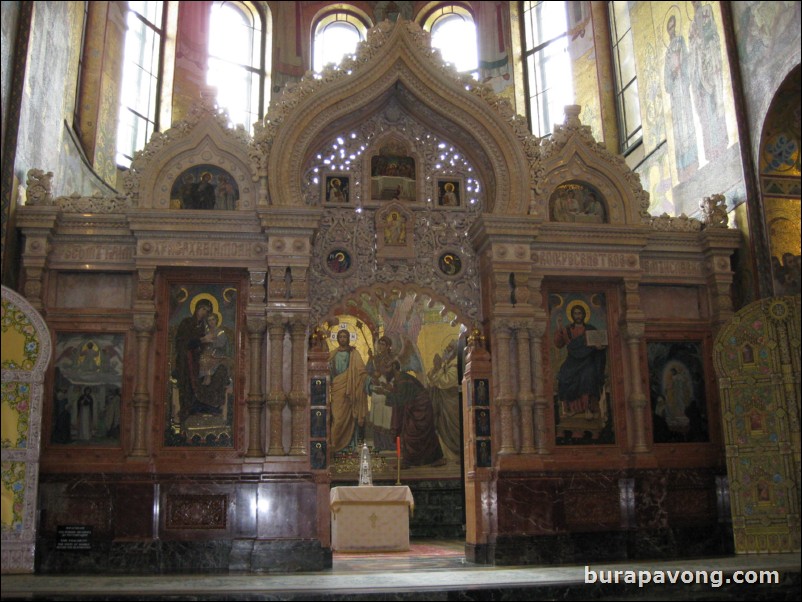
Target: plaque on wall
[
  {"x": 202, "y": 331},
  {"x": 74, "y": 538}
]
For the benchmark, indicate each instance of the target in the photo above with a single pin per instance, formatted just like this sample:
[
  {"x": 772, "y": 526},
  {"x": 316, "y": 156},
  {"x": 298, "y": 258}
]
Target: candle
[{"x": 398, "y": 447}]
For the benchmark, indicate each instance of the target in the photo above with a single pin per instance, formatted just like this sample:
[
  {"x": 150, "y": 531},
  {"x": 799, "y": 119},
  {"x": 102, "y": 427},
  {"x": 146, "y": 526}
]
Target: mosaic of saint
[
  {"x": 582, "y": 404},
  {"x": 204, "y": 187},
  {"x": 394, "y": 385}
]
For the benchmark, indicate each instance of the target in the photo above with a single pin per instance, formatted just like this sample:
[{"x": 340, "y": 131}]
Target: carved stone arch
[
  {"x": 203, "y": 139},
  {"x": 396, "y": 61},
  {"x": 573, "y": 155},
  {"x": 381, "y": 292}
]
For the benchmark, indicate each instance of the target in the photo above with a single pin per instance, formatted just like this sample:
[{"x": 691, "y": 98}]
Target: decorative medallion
[
  {"x": 450, "y": 264},
  {"x": 338, "y": 261}
]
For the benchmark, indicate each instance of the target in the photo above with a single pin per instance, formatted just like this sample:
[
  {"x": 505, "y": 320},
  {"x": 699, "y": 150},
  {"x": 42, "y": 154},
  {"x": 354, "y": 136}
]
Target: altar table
[{"x": 370, "y": 518}]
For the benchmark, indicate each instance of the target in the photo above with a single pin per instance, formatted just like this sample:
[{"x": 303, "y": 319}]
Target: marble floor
[{"x": 438, "y": 571}]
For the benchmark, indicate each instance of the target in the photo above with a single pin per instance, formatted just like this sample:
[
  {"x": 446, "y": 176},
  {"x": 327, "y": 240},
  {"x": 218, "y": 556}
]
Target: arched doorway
[
  {"x": 400, "y": 394},
  {"x": 779, "y": 185}
]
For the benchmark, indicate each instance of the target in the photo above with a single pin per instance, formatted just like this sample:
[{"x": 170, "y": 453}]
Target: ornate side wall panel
[
  {"x": 25, "y": 355},
  {"x": 757, "y": 362}
]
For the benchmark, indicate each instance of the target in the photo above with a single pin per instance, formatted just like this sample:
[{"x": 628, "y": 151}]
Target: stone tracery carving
[
  {"x": 395, "y": 123},
  {"x": 357, "y": 233},
  {"x": 39, "y": 187},
  {"x": 76, "y": 203}
]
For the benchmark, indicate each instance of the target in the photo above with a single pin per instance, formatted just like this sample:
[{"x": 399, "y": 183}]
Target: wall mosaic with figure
[
  {"x": 394, "y": 373},
  {"x": 677, "y": 392},
  {"x": 87, "y": 389},
  {"x": 204, "y": 187},
  {"x": 583, "y": 407},
  {"x": 202, "y": 327}
]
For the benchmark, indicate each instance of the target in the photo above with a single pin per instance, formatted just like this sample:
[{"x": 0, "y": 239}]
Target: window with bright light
[
  {"x": 453, "y": 33},
  {"x": 139, "y": 104},
  {"x": 237, "y": 61},
  {"x": 336, "y": 36},
  {"x": 547, "y": 65},
  {"x": 626, "y": 79}
]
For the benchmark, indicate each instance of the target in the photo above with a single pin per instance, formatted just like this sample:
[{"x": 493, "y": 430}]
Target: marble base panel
[
  {"x": 161, "y": 557},
  {"x": 596, "y": 547}
]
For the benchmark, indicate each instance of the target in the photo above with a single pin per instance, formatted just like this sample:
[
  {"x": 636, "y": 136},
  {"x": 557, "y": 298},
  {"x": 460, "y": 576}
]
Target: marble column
[
  {"x": 633, "y": 331},
  {"x": 505, "y": 399},
  {"x": 541, "y": 403},
  {"x": 298, "y": 397},
  {"x": 526, "y": 397},
  {"x": 276, "y": 398},
  {"x": 256, "y": 329},
  {"x": 144, "y": 326}
]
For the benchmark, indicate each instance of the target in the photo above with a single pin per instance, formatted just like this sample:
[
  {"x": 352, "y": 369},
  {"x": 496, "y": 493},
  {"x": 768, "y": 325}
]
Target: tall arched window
[
  {"x": 626, "y": 79},
  {"x": 337, "y": 35},
  {"x": 547, "y": 65},
  {"x": 238, "y": 60},
  {"x": 142, "y": 67},
  {"x": 454, "y": 33}
]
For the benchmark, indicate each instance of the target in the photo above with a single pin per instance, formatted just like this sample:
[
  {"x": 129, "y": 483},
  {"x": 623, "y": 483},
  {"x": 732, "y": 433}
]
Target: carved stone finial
[
  {"x": 714, "y": 209},
  {"x": 476, "y": 339},
  {"x": 317, "y": 340},
  {"x": 572, "y": 116},
  {"x": 39, "y": 191}
]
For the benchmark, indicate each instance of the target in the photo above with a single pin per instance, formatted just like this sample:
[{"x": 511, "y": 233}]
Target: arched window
[
  {"x": 626, "y": 79},
  {"x": 142, "y": 66},
  {"x": 238, "y": 61},
  {"x": 336, "y": 34},
  {"x": 454, "y": 34},
  {"x": 547, "y": 65}
]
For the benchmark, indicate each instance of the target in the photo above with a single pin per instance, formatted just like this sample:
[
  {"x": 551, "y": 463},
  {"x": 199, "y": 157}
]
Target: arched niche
[
  {"x": 203, "y": 139},
  {"x": 424, "y": 334},
  {"x": 395, "y": 64},
  {"x": 779, "y": 185},
  {"x": 573, "y": 156}
]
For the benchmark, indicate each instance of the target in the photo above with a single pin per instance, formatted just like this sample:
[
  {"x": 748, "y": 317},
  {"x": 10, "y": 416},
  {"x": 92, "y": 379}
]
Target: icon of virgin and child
[{"x": 203, "y": 361}]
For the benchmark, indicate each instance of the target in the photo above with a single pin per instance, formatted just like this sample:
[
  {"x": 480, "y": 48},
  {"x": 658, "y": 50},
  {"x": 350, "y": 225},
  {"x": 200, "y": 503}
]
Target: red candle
[{"x": 398, "y": 447}]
